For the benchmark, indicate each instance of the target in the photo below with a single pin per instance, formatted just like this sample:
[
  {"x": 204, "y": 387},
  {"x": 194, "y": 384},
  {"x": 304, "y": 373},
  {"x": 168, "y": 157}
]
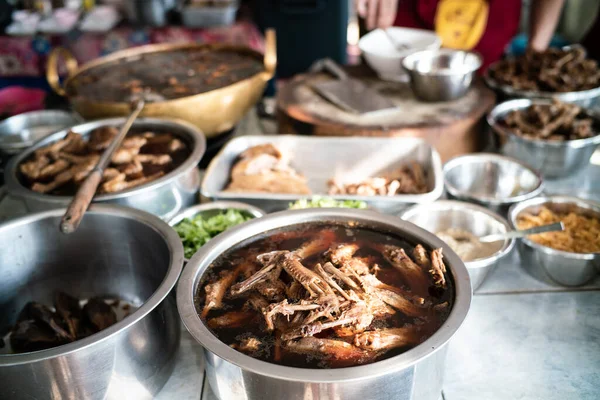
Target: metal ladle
[
  {"x": 82, "y": 199},
  {"x": 496, "y": 237}
]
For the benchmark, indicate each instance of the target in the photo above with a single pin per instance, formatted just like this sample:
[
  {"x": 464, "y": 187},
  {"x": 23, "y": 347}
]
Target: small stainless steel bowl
[
  {"x": 446, "y": 214},
  {"x": 441, "y": 75},
  {"x": 211, "y": 209},
  {"x": 21, "y": 131},
  {"x": 116, "y": 251},
  {"x": 552, "y": 159},
  {"x": 491, "y": 180},
  {"x": 550, "y": 265},
  {"x": 164, "y": 196},
  {"x": 415, "y": 374}
]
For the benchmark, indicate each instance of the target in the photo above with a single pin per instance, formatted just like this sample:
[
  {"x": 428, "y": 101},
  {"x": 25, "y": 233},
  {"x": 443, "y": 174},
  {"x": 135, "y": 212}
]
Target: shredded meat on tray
[
  {"x": 62, "y": 166},
  {"x": 335, "y": 295}
]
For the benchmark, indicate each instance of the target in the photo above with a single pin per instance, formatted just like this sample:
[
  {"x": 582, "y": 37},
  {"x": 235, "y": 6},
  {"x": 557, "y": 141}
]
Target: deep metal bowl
[
  {"x": 211, "y": 209},
  {"x": 491, "y": 180},
  {"x": 441, "y": 75},
  {"x": 21, "y": 131},
  {"x": 415, "y": 374},
  {"x": 116, "y": 252},
  {"x": 445, "y": 214},
  {"x": 553, "y": 159},
  {"x": 164, "y": 197},
  {"x": 550, "y": 265}
]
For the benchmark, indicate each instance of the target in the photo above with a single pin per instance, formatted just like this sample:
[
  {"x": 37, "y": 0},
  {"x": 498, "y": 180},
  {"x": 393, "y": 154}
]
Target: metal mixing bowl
[
  {"x": 550, "y": 265},
  {"x": 211, "y": 209},
  {"x": 491, "y": 180},
  {"x": 164, "y": 197},
  {"x": 21, "y": 131},
  {"x": 415, "y": 374},
  {"x": 553, "y": 159},
  {"x": 441, "y": 75},
  {"x": 446, "y": 214},
  {"x": 115, "y": 252}
]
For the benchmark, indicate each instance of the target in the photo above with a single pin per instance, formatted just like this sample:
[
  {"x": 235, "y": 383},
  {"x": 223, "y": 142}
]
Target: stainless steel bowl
[
  {"x": 211, "y": 209},
  {"x": 415, "y": 374},
  {"x": 23, "y": 130},
  {"x": 491, "y": 180},
  {"x": 441, "y": 75},
  {"x": 550, "y": 265},
  {"x": 164, "y": 197},
  {"x": 116, "y": 251},
  {"x": 446, "y": 214},
  {"x": 553, "y": 159}
]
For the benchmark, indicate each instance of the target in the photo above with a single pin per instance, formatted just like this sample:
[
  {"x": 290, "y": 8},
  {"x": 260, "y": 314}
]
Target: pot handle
[
  {"x": 270, "y": 59},
  {"x": 52, "y": 68}
]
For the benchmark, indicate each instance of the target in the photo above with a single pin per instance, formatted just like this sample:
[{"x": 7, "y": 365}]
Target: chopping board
[{"x": 453, "y": 128}]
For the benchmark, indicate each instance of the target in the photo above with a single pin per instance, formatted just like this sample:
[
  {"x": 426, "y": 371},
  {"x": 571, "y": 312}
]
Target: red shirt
[{"x": 502, "y": 24}]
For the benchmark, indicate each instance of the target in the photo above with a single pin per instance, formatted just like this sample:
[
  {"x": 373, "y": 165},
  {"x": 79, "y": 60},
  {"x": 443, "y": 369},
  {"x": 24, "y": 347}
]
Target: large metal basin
[
  {"x": 414, "y": 375},
  {"x": 116, "y": 251},
  {"x": 164, "y": 197}
]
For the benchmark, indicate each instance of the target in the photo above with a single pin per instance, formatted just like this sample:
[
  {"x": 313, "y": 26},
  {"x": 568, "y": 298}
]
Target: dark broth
[{"x": 291, "y": 239}]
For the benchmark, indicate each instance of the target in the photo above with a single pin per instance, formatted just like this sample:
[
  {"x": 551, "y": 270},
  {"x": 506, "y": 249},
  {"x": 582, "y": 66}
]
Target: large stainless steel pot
[
  {"x": 414, "y": 375},
  {"x": 164, "y": 197},
  {"x": 214, "y": 112},
  {"x": 116, "y": 251}
]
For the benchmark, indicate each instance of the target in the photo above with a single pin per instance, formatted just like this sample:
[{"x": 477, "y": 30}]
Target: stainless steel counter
[{"x": 523, "y": 339}]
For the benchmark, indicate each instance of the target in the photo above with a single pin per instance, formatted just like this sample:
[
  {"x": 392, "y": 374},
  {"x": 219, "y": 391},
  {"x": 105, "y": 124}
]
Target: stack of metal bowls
[
  {"x": 491, "y": 180},
  {"x": 415, "y": 374},
  {"x": 553, "y": 159},
  {"x": 165, "y": 196},
  {"x": 550, "y": 265},
  {"x": 116, "y": 252},
  {"x": 448, "y": 214}
]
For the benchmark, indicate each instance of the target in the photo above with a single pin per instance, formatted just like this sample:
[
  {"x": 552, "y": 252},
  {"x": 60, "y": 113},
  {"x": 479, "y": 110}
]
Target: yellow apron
[{"x": 461, "y": 23}]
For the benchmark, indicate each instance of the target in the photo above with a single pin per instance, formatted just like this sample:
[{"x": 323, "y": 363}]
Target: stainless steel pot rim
[
  {"x": 462, "y": 205},
  {"x": 471, "y": 158},
  {"x": 192, "y": 274},
  {"x": 215, "y": 205},
  {"x": 579, "y": 95},
  {"x": 493, "y": 120},
  {"x": 168, "y": 283},
  {"x": 15, "y": 186},
  {"x": 517, "y": 209},
  {"x": 408, "y": 62}
]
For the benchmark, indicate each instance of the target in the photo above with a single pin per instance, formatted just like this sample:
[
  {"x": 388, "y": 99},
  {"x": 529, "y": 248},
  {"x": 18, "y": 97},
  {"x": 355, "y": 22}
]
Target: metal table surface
[{"x": 523, "y": 338}]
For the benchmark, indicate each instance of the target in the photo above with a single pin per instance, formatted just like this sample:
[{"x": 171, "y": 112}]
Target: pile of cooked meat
[
  {"x": 59, "y": 168},
  {"x": 553, "y": 70},
  {"x": 328, "y": 297},
  {"x": 555, "y": 122},
  {"x": 39, "y": 327},
  {"x": 263, "y": 168},
  {"x": 409, "y": 179}
]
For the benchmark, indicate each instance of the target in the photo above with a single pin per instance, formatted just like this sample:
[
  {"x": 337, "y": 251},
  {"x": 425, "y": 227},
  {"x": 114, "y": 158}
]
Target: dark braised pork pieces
[{"x": 332, "y": 299}]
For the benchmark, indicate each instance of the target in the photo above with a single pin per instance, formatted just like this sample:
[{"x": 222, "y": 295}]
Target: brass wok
[{"x": 214, "y": 112}]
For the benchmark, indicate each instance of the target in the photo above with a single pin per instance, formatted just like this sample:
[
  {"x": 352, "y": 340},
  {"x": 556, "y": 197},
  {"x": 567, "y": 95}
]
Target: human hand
[{"x": 377, "y": 13}]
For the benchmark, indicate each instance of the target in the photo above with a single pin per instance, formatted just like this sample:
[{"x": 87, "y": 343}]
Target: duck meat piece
[
  {"x": 216, "y": 291},
  {"x": 81, "y": 171},
  {"x": 256, "y": 302},
  {"x": 342, "y": 253},
  {"x": 249, "y": 345},
  {"x": 110, "y": 173},
  {"x": 269, "y": 182},
  {"x": 267, "y": 148},
  {"x": 416, "y": 277},
  {"x": 60, "y": 179},
  {"x": 68, "y": 308},
  {"x": 31, "y": 169},
  {"x": 78, "y": 159},
  {"x": 113, "y": 183},
  {"x": 134, "y": 142},
  {"x": 313, "y": 284},
  {"x": 327, "y": 348},
  {"x": 43, "y": 315},
  {"x": 124, "y": 155},
  {"x": 53, "y": 169},
  {"x": 118, "y": 185},
  {"x": 162, "y": 144},
  {"x": 30, "y": 335},
  {"x": 421, "y": 257},
  {"x": 438, "y": 268},
  {"x": 284, "y": 308},
  {"x": 399, "y": 302},
  {"x": 385, "y": 339},
  {"x": 53, "y": 149},
  {"x": 231, "y": 319},
  {"x": 272, "y": 289},
  {"x": 99, "y": 314},
  {"x": 101, "y": 138},
  {"x": 132, "y": 170},
  {"x": 313, "y": 247},
  {"x": 329, "y": 279},
  {"x": 262, "y": 163},
  {"x": 155, "y": 159}
]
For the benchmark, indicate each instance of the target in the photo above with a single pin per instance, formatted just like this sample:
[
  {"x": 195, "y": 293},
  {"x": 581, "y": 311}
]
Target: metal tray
[{"x": 320, "y": 159}]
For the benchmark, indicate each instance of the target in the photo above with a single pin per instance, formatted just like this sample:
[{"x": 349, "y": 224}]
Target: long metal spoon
[
  {"x": 82, "y": 199},
  {"x": 495, "y": 237}
]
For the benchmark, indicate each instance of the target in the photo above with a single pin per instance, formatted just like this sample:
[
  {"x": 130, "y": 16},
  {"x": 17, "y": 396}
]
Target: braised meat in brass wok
[
  {"x": 59, "y": 168},
  {"x": 165, "y": 75},
  {"x": 325, "y": 296}
]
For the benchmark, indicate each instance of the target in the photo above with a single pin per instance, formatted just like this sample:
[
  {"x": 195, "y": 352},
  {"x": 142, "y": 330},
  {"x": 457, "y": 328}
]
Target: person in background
[{"x": 484, "y": 26}]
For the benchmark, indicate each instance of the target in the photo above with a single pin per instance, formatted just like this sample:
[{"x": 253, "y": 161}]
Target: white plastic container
[{"x": 204, "y": 16}]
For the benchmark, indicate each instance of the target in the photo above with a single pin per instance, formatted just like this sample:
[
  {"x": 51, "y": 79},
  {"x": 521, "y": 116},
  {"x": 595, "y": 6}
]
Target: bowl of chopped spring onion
[
  {"x": 327, "y": 202},
  {"x": 198, "y": 224}
]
